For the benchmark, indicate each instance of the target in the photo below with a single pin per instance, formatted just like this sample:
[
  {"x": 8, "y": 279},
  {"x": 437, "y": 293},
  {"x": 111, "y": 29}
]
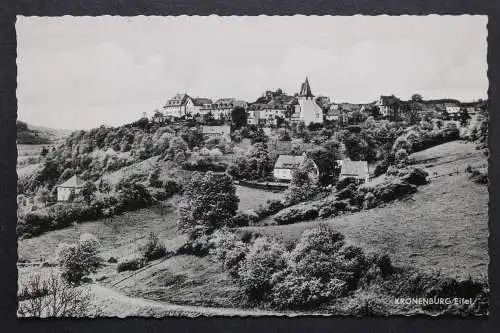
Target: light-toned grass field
[
  {"x": 252, "y": 197},
  {"x": 118, "y": 232},
  {"x": 28, "y": 154},
  {"x": 443, "y": 227}
]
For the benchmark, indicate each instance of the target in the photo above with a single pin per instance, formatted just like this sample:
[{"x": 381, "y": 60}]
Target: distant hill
[{"x": 29, "y": 134}]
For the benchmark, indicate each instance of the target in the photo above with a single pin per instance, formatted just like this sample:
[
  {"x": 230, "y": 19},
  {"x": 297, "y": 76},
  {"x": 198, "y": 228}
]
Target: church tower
[{"x": 310, "y": 112}]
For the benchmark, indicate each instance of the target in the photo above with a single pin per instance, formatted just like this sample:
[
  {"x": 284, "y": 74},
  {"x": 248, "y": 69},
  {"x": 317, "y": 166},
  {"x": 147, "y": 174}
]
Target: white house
[
  {"x": 223, "y": 132},
  {"x": 178, "y": 106},
  {"x": 286, "y": 164},
  {"x": 354, "y": 169},
  {"x": 453, "y": 109},
  {"x": 70, "y": 188}
]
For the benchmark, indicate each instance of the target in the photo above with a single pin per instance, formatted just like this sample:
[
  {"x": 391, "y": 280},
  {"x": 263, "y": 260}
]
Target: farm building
[
  {"x": 223, "y": 132},
  {"x": 70, "y": 188},
  {"x": 286, "y": 164},
  {"x": 354, "y": 169}
]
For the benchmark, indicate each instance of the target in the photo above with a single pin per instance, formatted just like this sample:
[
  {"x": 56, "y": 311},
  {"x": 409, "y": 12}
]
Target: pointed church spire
[{"x": 305, "y": 89}]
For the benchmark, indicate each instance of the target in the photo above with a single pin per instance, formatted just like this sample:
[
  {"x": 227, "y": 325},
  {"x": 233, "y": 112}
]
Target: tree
[
  {"x": 261, "y": 159},
  {"x": 325, "y": 160},
  {"x": 304, "y": 184},
  {"x": 238, "y": 117},
  {"x": 417, "y": 98},
  {"x": 355, "y": 147},
  {"x": 209, "y": 202},
  {"x": 464, "y": 117},
  {"x": 42, "y": 195},
  {"x": 193, "y": 138},
  {"x": 88, "y": 191},
  {"x": 260, "y": 137},
  {"x": 80, "y": 259}
]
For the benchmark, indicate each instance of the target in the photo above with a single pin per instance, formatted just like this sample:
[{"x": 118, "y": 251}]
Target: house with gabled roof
[
  {"x": 178, "y": 106},
  {"x": 354, "y": 169},
  {"x": 70, "y": 188},
  {"x": 286, "y": 164}
]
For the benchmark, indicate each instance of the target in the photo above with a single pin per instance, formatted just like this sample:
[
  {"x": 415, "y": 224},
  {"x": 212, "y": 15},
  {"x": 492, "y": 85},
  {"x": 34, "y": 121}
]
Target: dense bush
[
  {"x": 478, "y": 175},
  {"x": 344, "y": 182},
  {"x": 131, "y": 263},
  {"x": 320, "y": 268},
  {"x": 154, "y": 248},
  {"x": 243, "y": 219},
  {"x": 389, "y": 190},
  {"x": 263, "y": 260},
  {"x": 204, "y": 164},
  {"x": 54, "y": 217},
  {"x": 271, "y": 207},
  {"x": 296, "y": 214},
  {"x": 80, "y": 259},
  {"x": 415, "y": 176},
  {"x": 198, "y": 244},
  {"x": 229, "y": 249},
  {"x": 133, "y": 195}
]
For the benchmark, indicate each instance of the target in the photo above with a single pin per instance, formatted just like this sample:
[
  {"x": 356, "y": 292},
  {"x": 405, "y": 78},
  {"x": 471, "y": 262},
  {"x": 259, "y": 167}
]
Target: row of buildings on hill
[
  {"x": 301, "y": 107},
  {"x": 305, "y": 107}
]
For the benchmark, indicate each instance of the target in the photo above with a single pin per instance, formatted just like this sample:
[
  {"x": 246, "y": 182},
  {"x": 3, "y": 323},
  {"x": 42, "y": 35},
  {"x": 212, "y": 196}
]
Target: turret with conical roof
[{"x": 305, "y": 89}]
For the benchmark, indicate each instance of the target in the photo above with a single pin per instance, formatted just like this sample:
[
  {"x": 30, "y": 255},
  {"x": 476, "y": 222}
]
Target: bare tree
[{"x": 51, "y": 296}]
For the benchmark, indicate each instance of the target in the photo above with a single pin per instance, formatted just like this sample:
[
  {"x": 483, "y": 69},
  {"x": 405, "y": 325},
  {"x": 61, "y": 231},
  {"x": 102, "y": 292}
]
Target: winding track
[{"x": 117, "y": 304}]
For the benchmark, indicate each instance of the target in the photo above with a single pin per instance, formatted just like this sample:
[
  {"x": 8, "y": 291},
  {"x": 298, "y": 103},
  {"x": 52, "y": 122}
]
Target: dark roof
[
  {"x": 358, "y": 169},
  {"x": 289, "y": 161},
  {"x": 178, "y": 100},
  {"x": 73, "y": 182},
  {"x": 201, "y": 101},
  {"x": 305, "y": 89}
]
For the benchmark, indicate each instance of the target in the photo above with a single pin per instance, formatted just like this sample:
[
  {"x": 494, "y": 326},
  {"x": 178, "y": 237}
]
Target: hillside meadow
[{"x": 442, "y": 228}]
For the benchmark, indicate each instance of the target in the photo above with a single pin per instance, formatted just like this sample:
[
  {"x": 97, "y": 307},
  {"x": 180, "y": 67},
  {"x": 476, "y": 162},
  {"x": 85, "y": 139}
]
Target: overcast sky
[{"x": 80, "y": 72}]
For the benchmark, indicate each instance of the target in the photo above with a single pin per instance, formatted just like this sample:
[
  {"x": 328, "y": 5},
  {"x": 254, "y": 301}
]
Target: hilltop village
[{"x": 290, "y": 202}]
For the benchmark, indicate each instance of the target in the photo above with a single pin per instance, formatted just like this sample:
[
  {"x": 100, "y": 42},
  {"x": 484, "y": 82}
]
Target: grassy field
[
  {"x": 443, "y": 227},
  {"x": 252, "y": 197},
  {"x": 28, "y": 154},
  {"x": 118, "y": 232}
]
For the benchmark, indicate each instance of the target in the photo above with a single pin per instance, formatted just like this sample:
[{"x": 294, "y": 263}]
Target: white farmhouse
[
  {"x": 286, "y": 164},
  {"x": 354, "y": 169},
  {"x": 70, "y": 188}
]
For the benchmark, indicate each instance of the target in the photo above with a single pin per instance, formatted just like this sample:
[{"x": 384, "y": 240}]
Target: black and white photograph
[{"x": 252, "y": 166}]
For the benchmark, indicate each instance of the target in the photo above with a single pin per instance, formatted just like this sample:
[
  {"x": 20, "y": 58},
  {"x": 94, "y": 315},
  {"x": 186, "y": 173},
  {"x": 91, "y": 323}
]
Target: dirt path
[{"x": 116, "y": 304}]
